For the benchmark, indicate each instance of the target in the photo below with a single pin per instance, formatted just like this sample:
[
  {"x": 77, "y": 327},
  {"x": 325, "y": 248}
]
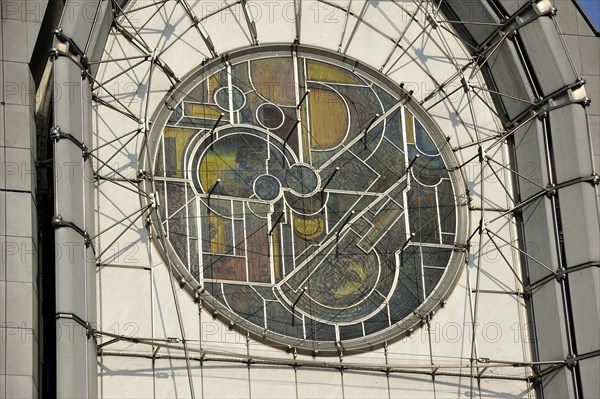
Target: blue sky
[{"x": 592, "y": 9}]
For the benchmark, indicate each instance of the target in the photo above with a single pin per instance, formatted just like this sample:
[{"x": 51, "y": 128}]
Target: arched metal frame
[{"x": 503, "y": 46}]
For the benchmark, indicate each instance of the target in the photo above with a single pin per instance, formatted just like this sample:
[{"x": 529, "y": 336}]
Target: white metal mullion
[
  {"x": 246, "y": 243},
  {"x": 187, "y": 230},
  {"x": 298, "y": 111},
  {"x": 439, "y": 219},
  {"x": 200, "y": 243},
  {"x": 408, "y": 175},
  {"x": 230, "y": 92}
]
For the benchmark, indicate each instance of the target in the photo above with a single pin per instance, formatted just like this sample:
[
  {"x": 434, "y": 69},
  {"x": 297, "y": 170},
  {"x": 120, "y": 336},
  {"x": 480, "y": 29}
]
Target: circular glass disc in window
[
  {"x": 270, "y": 116},
  {"x": 267, "y": 188},
  {"x": 223, "y": 98},
  {"x": 302, "y": 180}
]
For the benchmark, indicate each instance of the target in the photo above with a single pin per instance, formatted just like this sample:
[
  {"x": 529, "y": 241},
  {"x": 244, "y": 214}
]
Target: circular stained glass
[
  {"x": 302, "y": 180},
  {"x": 267, "y": 188},
  {"x": 229, "y": 98},
  {"x": 270, "y": 116},
  {"x": 306, "y": 201}
]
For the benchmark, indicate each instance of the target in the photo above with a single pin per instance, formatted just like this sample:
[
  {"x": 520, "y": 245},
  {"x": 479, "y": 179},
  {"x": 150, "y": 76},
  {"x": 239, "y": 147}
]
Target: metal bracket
[
  {"x": 551, "y": 190},
  {"x": 573, "y": 93},
  {"x": 56, "y": 135},
  {"x": 571, "y": 361},
  {"x": 73, "y": 49},
  {"x": 59, "y": 223}
]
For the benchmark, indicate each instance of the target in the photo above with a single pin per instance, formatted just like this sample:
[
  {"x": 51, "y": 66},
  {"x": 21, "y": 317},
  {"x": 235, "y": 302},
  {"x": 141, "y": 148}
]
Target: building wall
[
  {"x": 136, "y": 300},
  {"x": 135, "y": 296},
  {"x": 583, "y": 43},
  {"x": 19, "y": 291}
]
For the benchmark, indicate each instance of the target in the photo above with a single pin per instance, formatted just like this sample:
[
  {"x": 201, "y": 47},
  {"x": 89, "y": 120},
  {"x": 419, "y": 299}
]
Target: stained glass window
[{"x": 306, "y": 201}]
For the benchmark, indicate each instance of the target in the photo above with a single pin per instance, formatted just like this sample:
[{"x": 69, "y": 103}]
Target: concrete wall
[
  {"x": 583, "y": 43},
  {"x": 19, "y": 27}
]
